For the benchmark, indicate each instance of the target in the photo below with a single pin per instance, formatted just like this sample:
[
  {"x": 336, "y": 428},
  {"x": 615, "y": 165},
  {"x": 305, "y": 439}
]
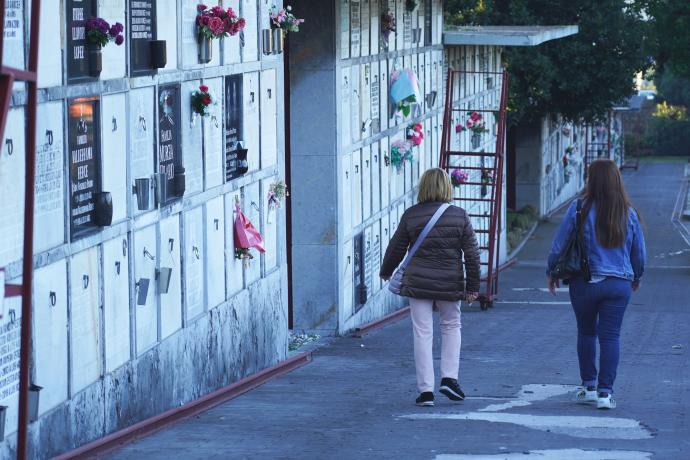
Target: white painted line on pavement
[
  {"x": 677, "y": 211},
  {"x": 560, "y": 289},
  {"x": 530, "y": 393},
  {"x": 555, "y": 454},
  {"x": 570, "y": 425},
  {"x": 533, "y": 302}
]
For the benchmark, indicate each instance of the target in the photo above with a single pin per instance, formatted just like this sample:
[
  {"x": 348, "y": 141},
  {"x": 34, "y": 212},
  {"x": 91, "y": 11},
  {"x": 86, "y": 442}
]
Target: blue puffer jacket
[{"x": 625, "y": 262}]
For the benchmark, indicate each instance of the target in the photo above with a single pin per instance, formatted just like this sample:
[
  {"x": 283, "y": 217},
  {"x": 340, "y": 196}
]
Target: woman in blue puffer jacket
[{"x": 616, "y": 250}]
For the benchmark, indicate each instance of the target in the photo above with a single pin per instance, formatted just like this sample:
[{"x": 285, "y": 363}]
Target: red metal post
[
  {"x": 27, "y": 266},
  {"x": 446, "y": 119}
]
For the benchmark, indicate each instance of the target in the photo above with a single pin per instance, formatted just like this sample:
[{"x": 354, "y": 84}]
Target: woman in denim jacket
[{"x": 616, "y": 249}]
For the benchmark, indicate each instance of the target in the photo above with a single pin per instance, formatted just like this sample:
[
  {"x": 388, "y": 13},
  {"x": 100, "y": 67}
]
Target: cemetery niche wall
[
  {"x": 137, "y": 294},
  {"x": 341, "y": 233}
]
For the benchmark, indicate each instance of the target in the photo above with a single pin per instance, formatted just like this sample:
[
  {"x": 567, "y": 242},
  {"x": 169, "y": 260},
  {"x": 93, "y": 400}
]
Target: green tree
[
  {"x": 581, "y": 76},
  {"x": 670, "y": 39},
  {"x": 672, "y": 88}
]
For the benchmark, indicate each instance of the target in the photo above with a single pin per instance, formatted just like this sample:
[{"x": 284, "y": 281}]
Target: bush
[{"x": 669, "y": 130}]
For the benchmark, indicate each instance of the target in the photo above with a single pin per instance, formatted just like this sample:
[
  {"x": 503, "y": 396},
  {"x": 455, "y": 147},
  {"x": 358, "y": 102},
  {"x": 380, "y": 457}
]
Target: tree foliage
[
  {"x": 579, "y": 77},
  {"x": 672, "y": 88},
  {"x": 670, "y": 36}
]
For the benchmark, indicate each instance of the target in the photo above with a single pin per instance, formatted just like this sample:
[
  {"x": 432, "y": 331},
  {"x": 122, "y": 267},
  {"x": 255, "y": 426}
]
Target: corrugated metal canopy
[{"x": 506, "y": 35}]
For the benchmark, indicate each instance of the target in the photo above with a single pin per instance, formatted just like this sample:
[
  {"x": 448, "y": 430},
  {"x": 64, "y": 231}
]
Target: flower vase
[
  {"x": 476, "y": 140},
  {"x": 277, "y": 40},
  {"x": 95, "y": 60},
  {"x": 205, "y": 50},
  {"x": 266, "y": 41}
]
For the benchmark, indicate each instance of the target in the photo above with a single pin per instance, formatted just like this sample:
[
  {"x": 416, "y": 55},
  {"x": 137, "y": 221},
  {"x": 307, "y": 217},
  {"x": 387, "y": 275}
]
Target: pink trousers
[{"x": 423, "y": 329}]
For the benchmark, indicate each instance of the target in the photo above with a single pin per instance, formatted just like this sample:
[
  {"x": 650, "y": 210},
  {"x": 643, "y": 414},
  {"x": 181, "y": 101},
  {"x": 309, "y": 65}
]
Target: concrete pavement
[{"x": 518, "y": 368}]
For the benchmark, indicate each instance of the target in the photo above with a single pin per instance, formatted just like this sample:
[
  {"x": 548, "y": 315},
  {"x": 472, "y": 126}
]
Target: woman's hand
[
  {"x": 553, "y": 283},
  {"x": 471, "y": 297},
  {"x": 635, "y": 285}
]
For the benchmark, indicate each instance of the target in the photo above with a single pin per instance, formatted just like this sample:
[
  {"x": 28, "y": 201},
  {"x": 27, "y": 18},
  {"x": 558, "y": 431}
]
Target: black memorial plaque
[
  {"x": 78, "y": 11},
  {"x": 358, "y": 271},
  {"x": 233, "y": 124},
  {"x": 85, "y": 163},
  {"x": 427, "y": 22},
  {"x": 141, "y": 30},
  {"x": 368, "y": 269},
  {"x": 169, "y": 147}
]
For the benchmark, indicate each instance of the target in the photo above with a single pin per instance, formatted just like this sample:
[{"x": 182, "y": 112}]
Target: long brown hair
[{"x": 605, "y": 189}]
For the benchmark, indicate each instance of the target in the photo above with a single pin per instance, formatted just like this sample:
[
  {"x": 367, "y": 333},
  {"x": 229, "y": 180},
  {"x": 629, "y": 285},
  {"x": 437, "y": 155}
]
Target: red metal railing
[
  {"x": 7, "y": 76},
  {"x": 487, "y": 192}
]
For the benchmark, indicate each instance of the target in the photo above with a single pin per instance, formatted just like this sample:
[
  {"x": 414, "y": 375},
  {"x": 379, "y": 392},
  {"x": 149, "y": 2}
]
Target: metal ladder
[
  {"x": 482, "y": 95},
  {"x": 8, "y": 75}
]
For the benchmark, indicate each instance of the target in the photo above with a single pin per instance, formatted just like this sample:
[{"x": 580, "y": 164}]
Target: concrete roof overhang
[{"x": 506, "y": 35}]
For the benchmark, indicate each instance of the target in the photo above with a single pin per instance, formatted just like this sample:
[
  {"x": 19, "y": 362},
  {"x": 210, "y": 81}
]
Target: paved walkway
[{"x": 518, "y": 368}]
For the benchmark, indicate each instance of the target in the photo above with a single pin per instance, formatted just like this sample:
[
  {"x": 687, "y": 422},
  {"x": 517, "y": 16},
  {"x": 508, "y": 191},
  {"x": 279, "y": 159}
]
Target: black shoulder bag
[{"x": 573, "y": 260}]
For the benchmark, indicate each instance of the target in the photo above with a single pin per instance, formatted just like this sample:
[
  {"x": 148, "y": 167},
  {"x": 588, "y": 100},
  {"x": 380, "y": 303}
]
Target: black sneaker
[
  {"x": 450, "y": 388},
  {"x": 425, "y": 399}
]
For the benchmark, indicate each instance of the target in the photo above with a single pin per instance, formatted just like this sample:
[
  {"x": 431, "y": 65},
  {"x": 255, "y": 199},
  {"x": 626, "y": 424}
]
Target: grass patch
[
  {"x": 663, "y": 159},
  {"x": 296, "y": 341},
  {"x": 519, "y": 223}
]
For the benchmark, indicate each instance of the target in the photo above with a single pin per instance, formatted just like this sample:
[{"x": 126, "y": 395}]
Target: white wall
[{"x": 88, "y": 326}]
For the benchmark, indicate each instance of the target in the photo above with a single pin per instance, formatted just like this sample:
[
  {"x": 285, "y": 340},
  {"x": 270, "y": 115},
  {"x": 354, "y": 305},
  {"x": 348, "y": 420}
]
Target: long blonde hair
[{"x": 435, "y": 186}]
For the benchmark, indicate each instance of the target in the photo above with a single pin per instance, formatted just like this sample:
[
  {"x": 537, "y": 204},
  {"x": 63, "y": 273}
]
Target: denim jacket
[{"x": 625, "y": 262}]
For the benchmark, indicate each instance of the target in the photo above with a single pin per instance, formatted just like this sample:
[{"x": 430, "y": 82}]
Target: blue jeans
[{"x": 599, "y": 309}]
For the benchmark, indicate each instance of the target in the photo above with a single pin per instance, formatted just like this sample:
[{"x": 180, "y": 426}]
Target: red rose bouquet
[
  {"x": 202, "y": 99},
  {"x": 215, "y": 22}
]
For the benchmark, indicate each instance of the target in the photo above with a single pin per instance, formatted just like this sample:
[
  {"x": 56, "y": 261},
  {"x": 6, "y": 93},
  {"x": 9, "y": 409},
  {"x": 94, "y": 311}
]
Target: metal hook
[
  {"x": 49, "y": 136},
  {"x": 114, "y": 123},
  {"x": 13, "y": 316},
  {"x": 171, "y": 243},
  {"x": 53, "y": 298},
  {"x": 251, "y": 96},
  {"x": 269, "y": 91},
  {"x": 10, "y": 146},
  {"x": 85, "y": 281},
  {"x": 356, "y": 169},
  {"x": 255, "y": 206},
  {"x": 142, "y": 122},
  {"x": 124, "y": 248},
  {"x": 216, "y": 222},
  {"x": 148, "y": 254},
  {"x": 215, "y": 120},
  {"x": 195, "y": 251},
  {"x": 117, "y": 267}
]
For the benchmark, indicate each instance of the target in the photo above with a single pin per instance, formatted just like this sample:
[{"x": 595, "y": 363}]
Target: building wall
[
  {"x": 347, "y": 201},
  {"x": 544, "y": 181},
  {"x": 104, "y": 357}
]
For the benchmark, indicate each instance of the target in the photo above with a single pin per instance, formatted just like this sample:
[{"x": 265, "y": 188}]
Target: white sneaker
[
  {"x": 584, "y": 396},
  {"x": 605, "y": 401}
]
